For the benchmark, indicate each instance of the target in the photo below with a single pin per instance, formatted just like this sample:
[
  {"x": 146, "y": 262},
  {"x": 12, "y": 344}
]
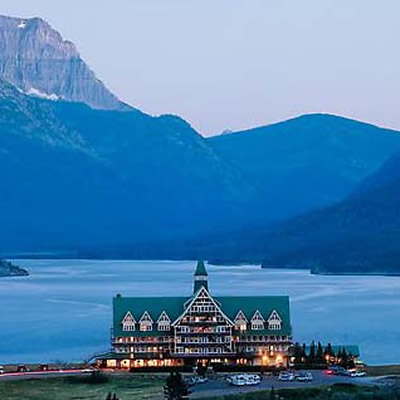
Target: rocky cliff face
[{"x": 35, "y": 58}]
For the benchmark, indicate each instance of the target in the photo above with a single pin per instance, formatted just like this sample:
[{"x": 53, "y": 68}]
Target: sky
[{"x": 236, "y": 64}]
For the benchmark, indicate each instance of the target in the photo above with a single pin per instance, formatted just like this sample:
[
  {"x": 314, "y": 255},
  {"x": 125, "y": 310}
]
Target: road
[
  {"x": 13, "y": 376},
  {"x": 219, "y": 386}
]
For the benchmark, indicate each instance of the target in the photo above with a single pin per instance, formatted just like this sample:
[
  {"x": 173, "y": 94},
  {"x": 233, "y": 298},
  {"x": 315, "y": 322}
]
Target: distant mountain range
[{"x": 83, "y": 173}]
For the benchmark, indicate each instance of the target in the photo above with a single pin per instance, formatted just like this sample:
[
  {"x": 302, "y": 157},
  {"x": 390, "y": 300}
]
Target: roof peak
[{"x": 200, "y": 269}]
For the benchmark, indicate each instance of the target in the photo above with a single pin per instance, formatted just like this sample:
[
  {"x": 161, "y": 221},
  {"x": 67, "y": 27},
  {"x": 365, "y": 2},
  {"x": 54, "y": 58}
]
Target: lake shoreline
[
  {"x": 10, "y": 270},
  {"x": 74, "y": 257}
]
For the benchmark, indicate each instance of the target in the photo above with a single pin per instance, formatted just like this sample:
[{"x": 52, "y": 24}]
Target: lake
[{"x": 63, "y": 310}]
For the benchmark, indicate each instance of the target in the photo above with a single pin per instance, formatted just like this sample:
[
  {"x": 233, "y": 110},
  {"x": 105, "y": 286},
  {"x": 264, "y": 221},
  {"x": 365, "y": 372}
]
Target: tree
[
  {"x": 320, "y": 353},
  {"x": 176, "y": 387},
  {"x": 329, "y": 351},
  {"x": 311, "y": 355},
  {"x": 303, "y": 352},
  {"x": 344, "y": 357}
]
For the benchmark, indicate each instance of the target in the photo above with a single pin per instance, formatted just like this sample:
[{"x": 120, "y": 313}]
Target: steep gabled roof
[
  {"x": 231, "y": 305},
  {"x": 174, "y": 307}
]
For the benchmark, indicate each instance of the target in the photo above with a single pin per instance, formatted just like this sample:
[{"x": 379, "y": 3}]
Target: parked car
[
  {"x": 304, "y": 377},
  {"x": 1, "y": 370},
  {"x": 358, "y": 374},
  {"x": 43, "y": 367},
  {"x": 197, "y": 379},
  {"x": 285, "y": 376},
  {"x": 237, "y": 380},
  {"x": 22, "y": 368},
  {"x": 252, "y": 380}
]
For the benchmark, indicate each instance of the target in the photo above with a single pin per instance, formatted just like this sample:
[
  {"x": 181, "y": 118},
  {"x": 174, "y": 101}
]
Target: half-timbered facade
[{"x": 172, "y": 331}]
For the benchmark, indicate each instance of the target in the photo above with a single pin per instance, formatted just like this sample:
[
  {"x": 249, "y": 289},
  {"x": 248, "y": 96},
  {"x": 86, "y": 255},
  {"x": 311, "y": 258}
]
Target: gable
[
  {"x": 145, "y": 317},
  {"x": 257, "y": 317},
  {"x": 240, "y": 317},
  {"x": 201, "y": 302},
  {"x": 164, "y": 318},
  {"x": 128, "y": 319},
  {"x": 274, "y": 316}
]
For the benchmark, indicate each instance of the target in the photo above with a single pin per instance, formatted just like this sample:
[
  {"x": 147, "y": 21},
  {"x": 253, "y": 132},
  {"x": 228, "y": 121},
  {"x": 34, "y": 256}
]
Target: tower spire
[{"x": 200, "y": 277}]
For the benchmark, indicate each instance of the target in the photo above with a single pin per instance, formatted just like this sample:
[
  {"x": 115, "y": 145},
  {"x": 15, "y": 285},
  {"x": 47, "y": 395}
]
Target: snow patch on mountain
[{"x": 37, "y": 93}]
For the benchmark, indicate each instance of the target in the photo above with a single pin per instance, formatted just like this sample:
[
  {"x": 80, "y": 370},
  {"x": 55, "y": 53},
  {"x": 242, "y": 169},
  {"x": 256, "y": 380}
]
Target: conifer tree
[
  {"x": 311, "y": 356},
  {"x": 175, "y": 387},
  {"x": 320, "y": 353}
]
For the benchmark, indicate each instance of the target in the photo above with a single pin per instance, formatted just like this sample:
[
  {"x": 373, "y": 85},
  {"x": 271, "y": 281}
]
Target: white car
[
  {"x": 238, "y": 380},
  {"x": 358, "y": 374},
  {"x": 286, "y": 376},
  {"x": 252, "y": 380},
  {"x": 1, "y": 370},
  {"x": 198, "y": 379},
  {"x": 304, "y": 377}
]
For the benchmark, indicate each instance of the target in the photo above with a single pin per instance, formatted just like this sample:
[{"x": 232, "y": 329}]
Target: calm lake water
[{"x": 63, "y": 310}]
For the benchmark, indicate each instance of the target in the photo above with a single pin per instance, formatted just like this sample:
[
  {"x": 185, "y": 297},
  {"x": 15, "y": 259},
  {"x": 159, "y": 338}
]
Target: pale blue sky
[{"x": 234, "y": 64}]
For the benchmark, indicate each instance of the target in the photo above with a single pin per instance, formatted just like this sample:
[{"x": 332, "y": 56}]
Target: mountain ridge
[{"x": 36, "y": 59}]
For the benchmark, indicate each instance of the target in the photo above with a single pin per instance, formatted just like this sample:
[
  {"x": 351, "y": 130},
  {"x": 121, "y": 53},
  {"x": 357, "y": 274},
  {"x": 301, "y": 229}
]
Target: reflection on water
[{"x": 63, "y": 310}]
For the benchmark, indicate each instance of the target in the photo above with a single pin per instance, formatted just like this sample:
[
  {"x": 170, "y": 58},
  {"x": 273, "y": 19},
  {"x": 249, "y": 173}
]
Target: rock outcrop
[
  {"x": 9, "y": 269},
  {"x": 35, "y": 58}
]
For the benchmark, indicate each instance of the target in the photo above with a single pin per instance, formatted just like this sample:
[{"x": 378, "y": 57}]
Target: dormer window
[
  {"x": 145, "y": 322},
  {"x": 274, "y": 321},
  {"x": 128, "y": 323},
  {"x": 164, "y": 322},
  {"x": 240, "y": 321},
  {"x": 257, "y": 321}
]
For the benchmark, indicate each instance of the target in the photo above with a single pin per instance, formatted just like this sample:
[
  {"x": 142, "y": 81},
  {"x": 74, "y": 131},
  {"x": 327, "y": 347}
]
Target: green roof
[
  {"x": 200, "y": 269},
  {"x": 174, "y": 307},
  {"x": 231, "y": 305}
]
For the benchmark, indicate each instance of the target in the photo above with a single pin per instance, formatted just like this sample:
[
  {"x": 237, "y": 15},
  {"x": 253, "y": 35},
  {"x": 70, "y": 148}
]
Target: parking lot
[{"x": 218, "y": 386}]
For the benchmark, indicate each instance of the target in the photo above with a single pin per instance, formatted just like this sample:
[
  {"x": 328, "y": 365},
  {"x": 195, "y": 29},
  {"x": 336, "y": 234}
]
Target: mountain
[
  {"x": 74, "y": 176},
  {"x": 348, "y": 145},
  {"x": 35, "y": 58},
  {"x": 359, "y": 235},
  {"x": 9, "y": 269},
  {"x": 88, "y": 173},
  {"x": 307, "y": 162}
]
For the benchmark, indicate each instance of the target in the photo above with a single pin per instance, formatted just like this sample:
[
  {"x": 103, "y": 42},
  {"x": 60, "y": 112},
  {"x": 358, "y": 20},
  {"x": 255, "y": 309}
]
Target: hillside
[
  {"x": 358, "y": 235},
  {"x": 307, "y": 162},
  {"x": 74, "y": 175}
]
